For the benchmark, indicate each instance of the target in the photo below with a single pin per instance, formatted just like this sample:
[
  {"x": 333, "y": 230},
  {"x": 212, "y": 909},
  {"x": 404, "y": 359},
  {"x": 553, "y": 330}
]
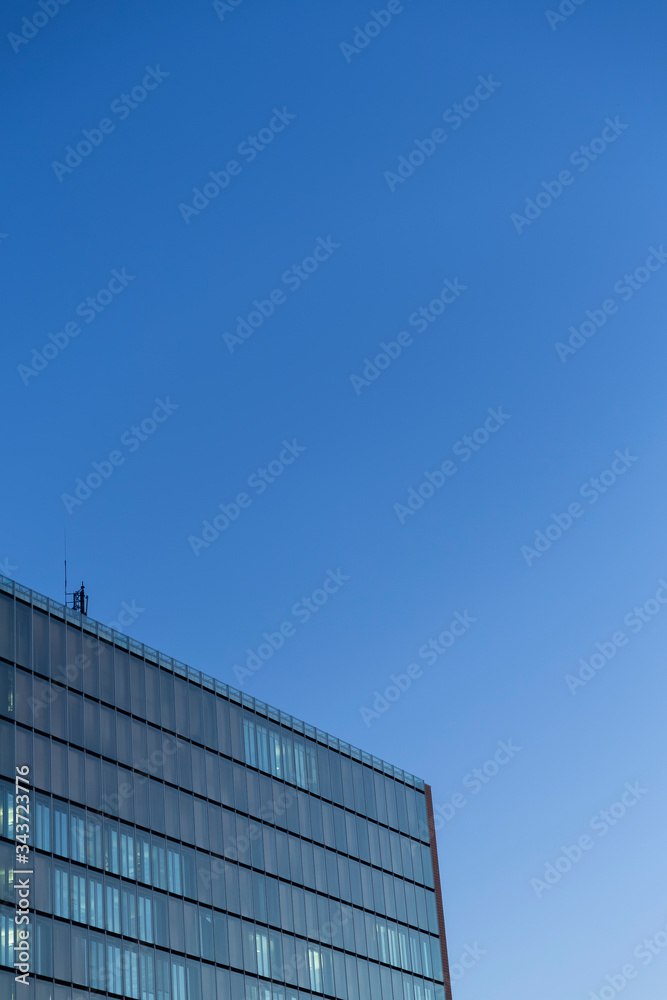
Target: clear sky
[{"x": 507, "y": 166}]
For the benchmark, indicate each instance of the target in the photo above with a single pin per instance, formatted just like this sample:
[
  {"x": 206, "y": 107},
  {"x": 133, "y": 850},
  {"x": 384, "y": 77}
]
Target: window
[
  {"x": 161, "y": 920},
  {"x": 206, "y": 945},
  {"x": 7, "y": 857},
  {"x": 198, "y": 770},
  {"x": 275, "y": 754},
  {"x": 6, "y": 629},
  {"x": 60, "y": 824},
  {"x": 315, "y": 969},
  {"x": 262, "y": 952},
  {"x": 110, "y": 798},
  {"x": 96, "y": 902},
  {"x": 146, "y": 917},
  {"x": 23, "y": 634},
  {"x": 146, "y": 974},
  {"x": 212, "y": 776},
  {"x": 174, "y": 871},
  {"x": 159, "y": 863},
  {"x": 249, "y": 742},
  {"x": 107, "y": 686},
  {"x": 195, "y": 713},
  {"x": 182, "y": 713},
  {"x": 249, "y": 948},
  {"x": 78, "y": 835},
  {"x": 61, "y": 892},
  {"x": 43, "y": 947},
  {"x": 220, "y": 936},
  {"x": 91, "y": 676},
  {"x": 210, "y": 724},
  {"x": 97, "y": 978},
  {"x": 178, "y": 979},
  {"x": 176, "y": 924},
  {"x": 24, "y": 700},
  {"x": 171, "y": 808},
  {"x": 6, "y": 937},
  {"x": 113, "y": 908},
  {"x": 222, "y": 715},
  {"x": 127, "y": 854},
  {"x": 57, "y": 636},
  {"x": 108, "y": 731},
  {"x": 122, "y": 679},
  {"x": 79, "y": 956},
  {"x": 140, "y": 747},
  {"x": 79, "y": 908},
  {"x": 162, "y": 977},
  {"x": 111, "y": 851},
  {"x": 42, "y": 826},
  {"x": 153, "y": 694},
  {"x": 129, "y": 912},
  {"x": 156, "y": 799},
  {"x": 75, "y": 718},
  {"x": 262, "y": 734},
  {"x": 114, "y": 969},
  {"x": 7, "y": 699},
  {"x": 143, "y": 856}
]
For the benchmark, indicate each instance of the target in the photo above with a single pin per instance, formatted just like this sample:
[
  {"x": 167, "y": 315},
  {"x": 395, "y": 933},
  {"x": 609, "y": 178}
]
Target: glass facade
[{"x": 191, "y": 843}]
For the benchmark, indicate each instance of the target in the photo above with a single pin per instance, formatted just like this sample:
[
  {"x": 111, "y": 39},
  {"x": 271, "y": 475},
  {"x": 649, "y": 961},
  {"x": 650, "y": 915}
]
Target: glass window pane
[
  {"x": 7, "y": 694},
  {"x": 138, "y": 686},
  {"x": 6, "y": 627},
  {"x": 153, "y": 694},
  {"x": 74, "y": 640},
  {"x": 23, "y": 634},
  {"x": 107, "y": 687},
  {"x": 91, "y": 671}
]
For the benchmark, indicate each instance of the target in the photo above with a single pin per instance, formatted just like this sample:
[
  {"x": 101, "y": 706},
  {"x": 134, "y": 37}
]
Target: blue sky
[{"x": 581, "y": 93}]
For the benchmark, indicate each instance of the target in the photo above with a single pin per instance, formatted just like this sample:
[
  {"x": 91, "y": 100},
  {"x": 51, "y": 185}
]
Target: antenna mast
[{"x": 79, "y": 597}]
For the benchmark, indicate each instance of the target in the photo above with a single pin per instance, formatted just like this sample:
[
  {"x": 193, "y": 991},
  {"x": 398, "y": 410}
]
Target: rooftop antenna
[{"x": 79, "y": 597}]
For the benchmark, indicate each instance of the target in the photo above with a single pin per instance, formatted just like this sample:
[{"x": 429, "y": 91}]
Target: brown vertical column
[{"x": 438, "y": 892}]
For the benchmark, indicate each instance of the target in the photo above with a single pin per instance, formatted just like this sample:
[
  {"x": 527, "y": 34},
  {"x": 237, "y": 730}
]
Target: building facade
[{"x": 166, "y": 837}]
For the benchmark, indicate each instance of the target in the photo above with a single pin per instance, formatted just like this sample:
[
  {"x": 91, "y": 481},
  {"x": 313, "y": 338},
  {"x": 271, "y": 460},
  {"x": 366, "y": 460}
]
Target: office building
[{"x": 181, "y": 840}]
